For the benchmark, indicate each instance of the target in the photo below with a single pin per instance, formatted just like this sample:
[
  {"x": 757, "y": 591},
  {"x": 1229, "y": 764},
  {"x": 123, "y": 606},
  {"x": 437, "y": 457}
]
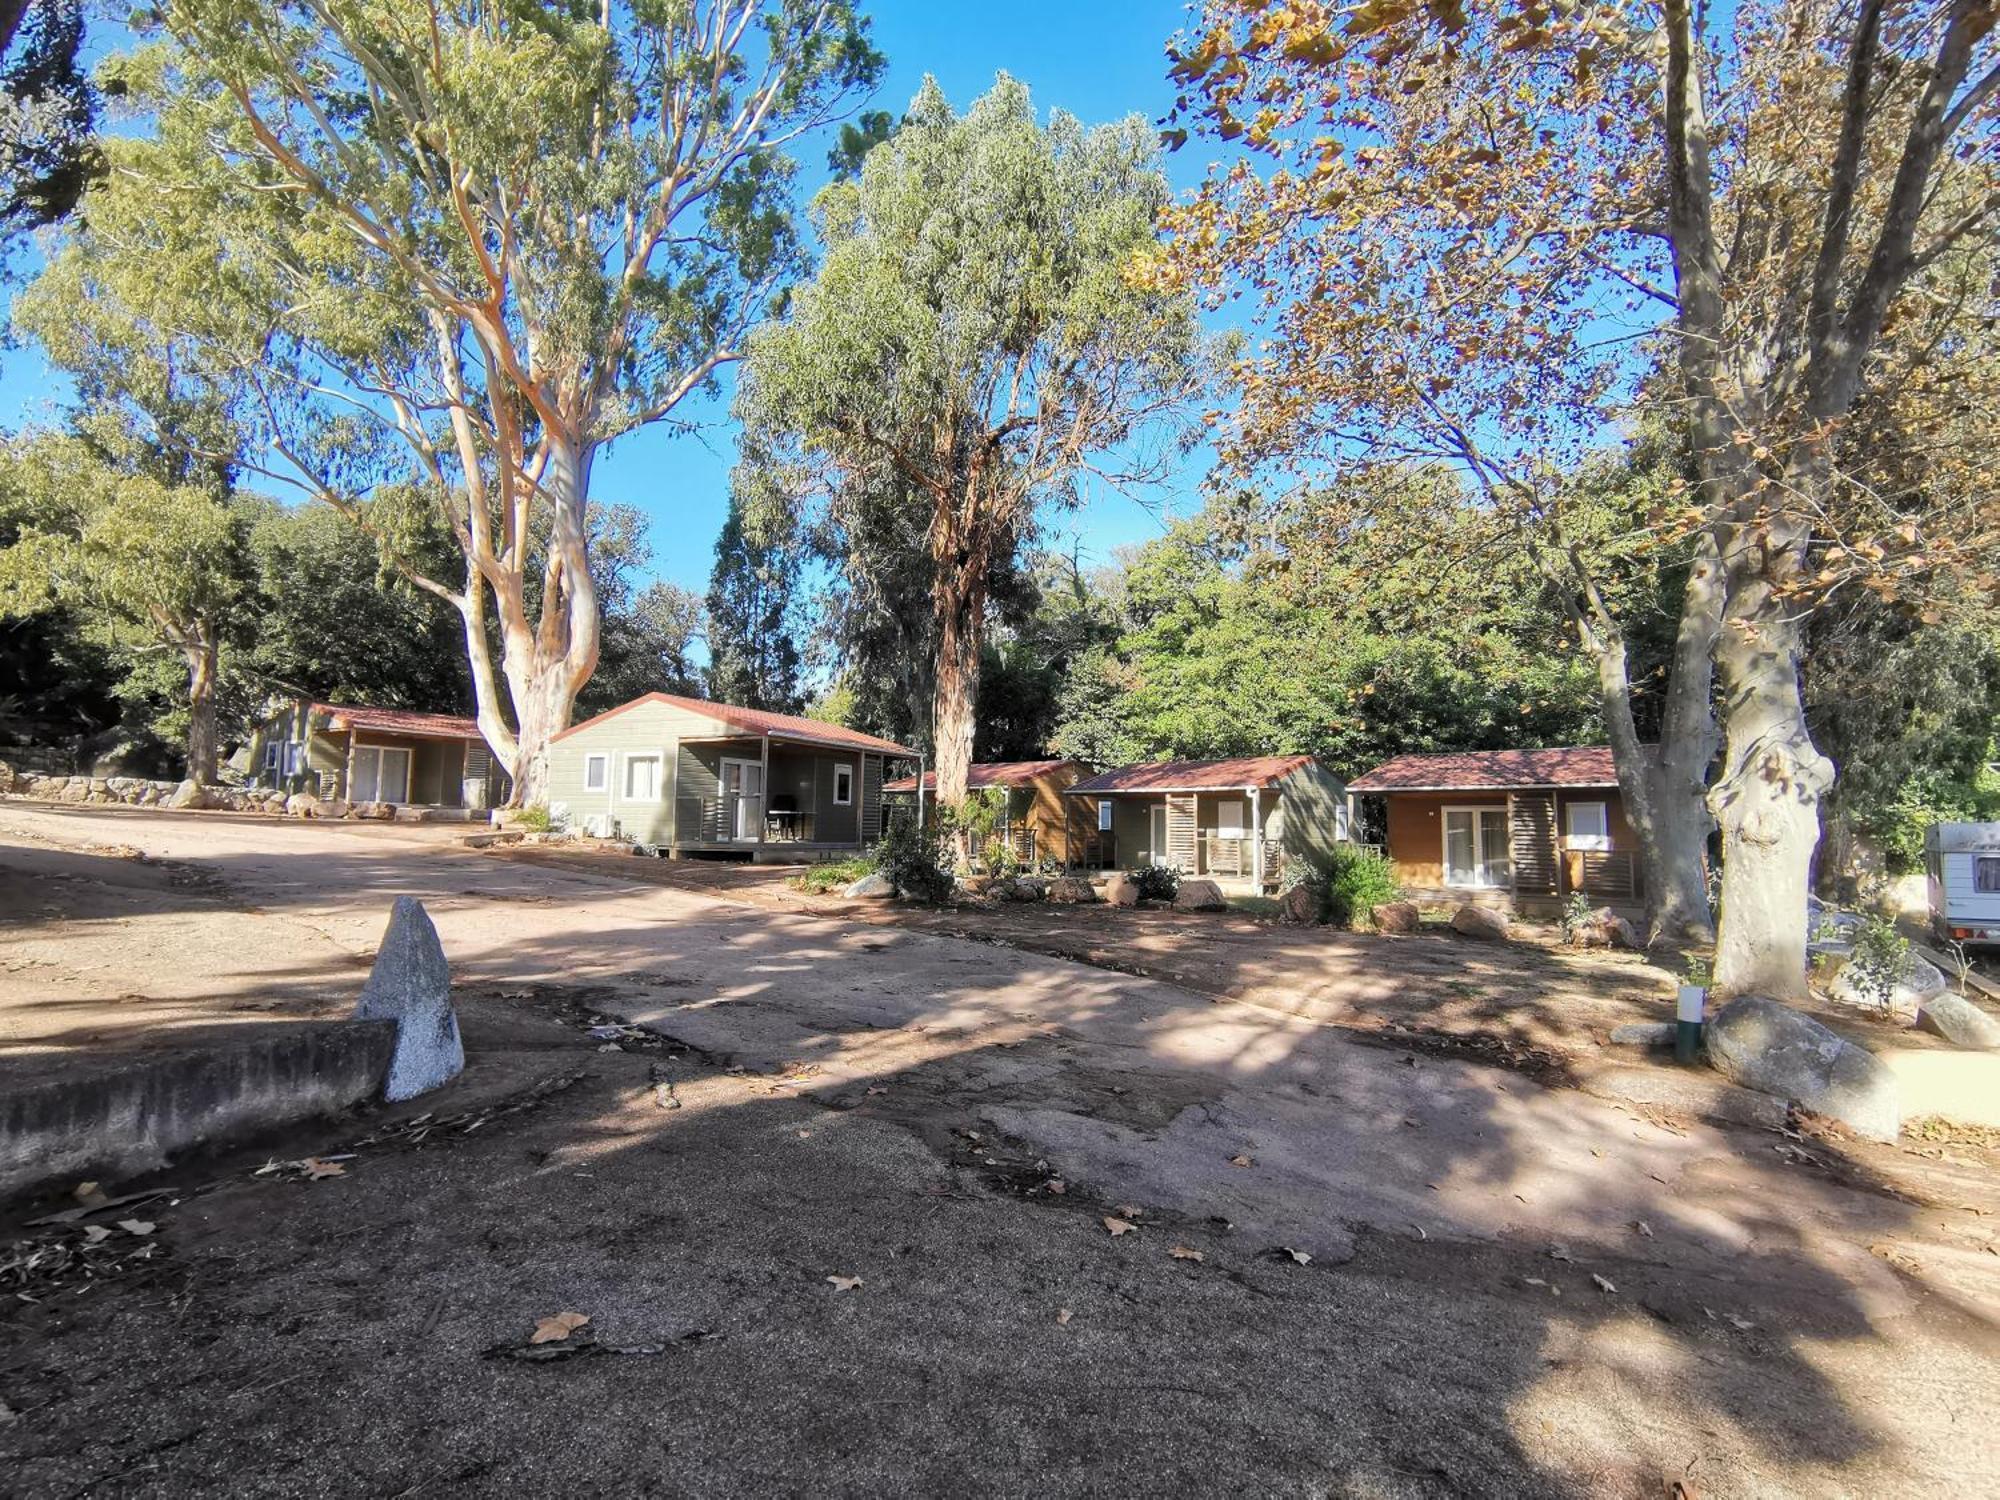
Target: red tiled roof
[
  {"x": 758, "y": 722},
  {"x": 985, "y": 774},
  {"x": 1491, "y": 770},
  {"x": 398, "y": 721},
  {"x": 1194, "y": 775}
]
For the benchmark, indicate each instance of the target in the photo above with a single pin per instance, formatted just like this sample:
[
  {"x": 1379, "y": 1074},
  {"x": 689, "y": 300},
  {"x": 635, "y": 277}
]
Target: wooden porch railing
[{"x": 1611, "y": 873}]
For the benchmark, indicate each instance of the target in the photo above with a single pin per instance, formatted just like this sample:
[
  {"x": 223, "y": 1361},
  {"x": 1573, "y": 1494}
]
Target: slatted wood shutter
[
  {"x": 1180, "y": 830},
  {"x": 1531, "y": 820},
  {"x": 871, "y": 798}
]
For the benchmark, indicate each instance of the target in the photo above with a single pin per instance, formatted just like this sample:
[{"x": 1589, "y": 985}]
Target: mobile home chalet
[
  {"x": 685, "y": 776},
  {"x": 1518, "y": 829}
]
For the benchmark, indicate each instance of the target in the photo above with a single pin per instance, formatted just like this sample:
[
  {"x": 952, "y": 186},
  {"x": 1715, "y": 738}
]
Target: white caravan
[{"x": 1963, "y": 863}]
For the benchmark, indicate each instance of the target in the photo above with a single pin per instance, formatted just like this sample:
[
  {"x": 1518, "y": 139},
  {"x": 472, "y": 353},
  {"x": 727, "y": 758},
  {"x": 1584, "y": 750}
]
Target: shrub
[
  {"x": 919, "y": 860},
  {"x": 819, "y": 879},
  {"x": 1880, "y": 954},
  {"x": 1356, "y": 881},
  {"x": 1577, "y": 915},
  {"x": 533, "y": 819},
  {"x": 1157, "y": 882}
]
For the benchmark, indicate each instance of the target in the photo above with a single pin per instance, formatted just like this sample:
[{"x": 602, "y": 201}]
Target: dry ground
[{"x": 1513, "y": 1288}]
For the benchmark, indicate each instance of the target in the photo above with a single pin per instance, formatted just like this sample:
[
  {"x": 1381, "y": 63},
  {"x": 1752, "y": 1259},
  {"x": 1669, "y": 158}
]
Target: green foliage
[
  {"x": 47, "y": 110},
  {"x": 534, "y": 819},
  {"x": 1156, "y": 882},
  {"x": 1240, "y": 639},
  {"x": 753, "y": 656},
  {"x": 918, "y": 859},
  {"x": 1698, "y": 971},
  {"x": 1350, "y": 883},
  {"x": 1577, "y": 914},
  {"x": 831, "y": 875},
  {"x": 1880, "y": 955}
]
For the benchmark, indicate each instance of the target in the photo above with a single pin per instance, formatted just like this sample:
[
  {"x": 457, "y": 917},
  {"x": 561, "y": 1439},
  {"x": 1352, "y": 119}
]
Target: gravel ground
[{"x": 1512, "y": 1288}]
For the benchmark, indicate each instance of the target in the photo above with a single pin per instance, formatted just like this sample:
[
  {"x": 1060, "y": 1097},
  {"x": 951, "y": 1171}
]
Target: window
[
  {"x": 1104, "y": 815},
  {"x": 292, "y": 758},
  {"x": 1588, "y": 825},
  {"x": 843, "y": 786},
  {"x": 1986, "y": 874},
  {"x": 1476, "y": 848},
  {"x": 272, "y": 749},
  {"x": 642, "y": 778},
  {"x": 1229, "y": 820},
  {"x": 596, "y": 772}
]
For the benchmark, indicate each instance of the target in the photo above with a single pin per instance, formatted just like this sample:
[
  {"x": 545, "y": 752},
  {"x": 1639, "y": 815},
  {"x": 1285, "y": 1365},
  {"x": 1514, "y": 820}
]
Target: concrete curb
[{"x": 134, "y": 1116}]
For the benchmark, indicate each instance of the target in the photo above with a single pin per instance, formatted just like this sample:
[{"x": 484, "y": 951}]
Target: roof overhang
[{"x": 1525, "y": 786}]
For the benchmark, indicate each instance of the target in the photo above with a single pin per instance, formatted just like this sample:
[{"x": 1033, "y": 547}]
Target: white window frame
[
  {"x": 1979, "y": 864},
  {"x": 294, "y": 757},
  {"x": 1238, "y": 830},
  {"x": 600, "y": 762},
  {"x": 1104, "y": 815},
  {"x": 1595, "y": 843},
  {"x": 842, "y": 770},
  {"x": 273, "y": 749},
  {"x": 625, "y": 794},
  {"x": 1474, "y": 810}
]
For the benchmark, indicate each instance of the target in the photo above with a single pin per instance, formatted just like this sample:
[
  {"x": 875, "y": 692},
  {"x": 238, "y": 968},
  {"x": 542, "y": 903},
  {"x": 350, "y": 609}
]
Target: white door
[
  {"x": 743, "y": 788},
  {"x": 1158, "y": 832},
  {"x": 364, "y": 774}
]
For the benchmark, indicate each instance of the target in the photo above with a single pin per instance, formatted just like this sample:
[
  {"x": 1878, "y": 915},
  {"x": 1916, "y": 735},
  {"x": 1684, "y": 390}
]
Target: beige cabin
[
  {"x": 1236, "y": 821},
  {"x": 355, "y": 753},
  {"x": 683, "y": 776}
]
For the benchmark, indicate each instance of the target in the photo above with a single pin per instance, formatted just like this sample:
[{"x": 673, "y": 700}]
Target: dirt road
[{"x": 1354, "y": 1268}]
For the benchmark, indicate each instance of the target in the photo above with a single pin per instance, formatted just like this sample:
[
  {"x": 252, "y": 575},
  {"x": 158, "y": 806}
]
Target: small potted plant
[{"x": 1691, "y": 1008}]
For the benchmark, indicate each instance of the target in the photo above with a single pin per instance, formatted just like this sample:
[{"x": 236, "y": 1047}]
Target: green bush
[
  {"x": 1880, "y": 955},
  {"x": 919, "y": 860},
  {"x": 1157, "y": 882},
  {"x": 533, "y": 819},
  {"x": 819, "y": 879},
  {"x": 1356, "y": 881}
]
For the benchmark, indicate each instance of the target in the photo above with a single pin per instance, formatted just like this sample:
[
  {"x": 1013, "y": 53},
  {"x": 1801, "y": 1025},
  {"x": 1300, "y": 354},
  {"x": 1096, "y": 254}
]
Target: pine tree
[{"x": 753, "y": 660}]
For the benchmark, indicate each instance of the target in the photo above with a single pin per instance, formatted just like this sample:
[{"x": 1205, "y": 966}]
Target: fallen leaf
[
  {"x": 1298, "y": 1255},
  {"x": 1534, "y": 1281},
  {"x": 1742, "y": 1325},
  {"x": 1241, "y": 1161},
  {"x": 1130, "y": 1210},
  {"x": 805, "y": 1135},
  {"x": 1063, "y": 1315},
  {"x": 1057, "y": 1186},
  {"x": 1186, "y": 1252},
  {"x": 137, "y": 1226},
  {"x": 87, "y": 1192},
  {"x": 316, "y": 1169},
  {"x": 1118, "y": 1227},
  {"x": 1420, "y": 1231},
  {"x": 1603, "y": 1283},
  {"x": 845, "y": 1283},
  {"x": 878, "y": 1090},
  {"x": 1644, "y": 1228},
  {"x": 95, "y": 1233},
  {"x": 560, "y": 1326},
  {"x": 1560, "y": 1252}
]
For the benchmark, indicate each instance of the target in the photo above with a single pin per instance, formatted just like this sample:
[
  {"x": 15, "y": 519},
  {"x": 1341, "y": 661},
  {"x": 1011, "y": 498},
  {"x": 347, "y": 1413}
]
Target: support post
[
  {"x": 764, "y": 787},
  {"x": 1257, "y": 838}
]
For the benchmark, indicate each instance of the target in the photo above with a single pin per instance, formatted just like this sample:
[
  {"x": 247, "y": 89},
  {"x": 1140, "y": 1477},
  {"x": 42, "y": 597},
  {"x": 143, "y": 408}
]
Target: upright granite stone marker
[{"x": 411, "y": 985}]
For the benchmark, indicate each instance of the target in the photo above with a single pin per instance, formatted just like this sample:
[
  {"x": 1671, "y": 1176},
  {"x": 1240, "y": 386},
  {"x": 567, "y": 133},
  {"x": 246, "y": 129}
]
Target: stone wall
[{"x": 135, "y": 791}]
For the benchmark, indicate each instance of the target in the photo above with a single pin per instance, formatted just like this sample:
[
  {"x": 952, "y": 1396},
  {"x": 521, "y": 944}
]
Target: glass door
[
  {"x": 743, "y": 795},
  {"x": 1476, "y": 851}
]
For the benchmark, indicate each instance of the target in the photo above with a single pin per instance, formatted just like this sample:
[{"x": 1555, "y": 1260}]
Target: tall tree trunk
[
  {"x": 202, "y": 655},
  {"x": 1767, "y": 798},
  {"x": 1688, "y": 741},
  {"x": 961, "y": 606},
  {"x": 546, "y": 667}
]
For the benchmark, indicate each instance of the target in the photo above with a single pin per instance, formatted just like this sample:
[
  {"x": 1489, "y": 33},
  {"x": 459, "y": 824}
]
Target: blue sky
[{"x": 1098, "y": 59}]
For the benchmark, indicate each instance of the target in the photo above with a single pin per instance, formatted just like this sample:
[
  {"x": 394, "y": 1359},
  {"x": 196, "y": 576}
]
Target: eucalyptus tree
[
  {"x": 150, "y": 564},
  {"x": 977, "y": 341},
  {"x": 442, "y": 253}
]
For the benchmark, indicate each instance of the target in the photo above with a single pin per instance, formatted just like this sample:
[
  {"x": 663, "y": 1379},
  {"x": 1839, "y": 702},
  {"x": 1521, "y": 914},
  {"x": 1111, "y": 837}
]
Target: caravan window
[
  {"x": 595, "y": 772},
  {"x": 1587, "y": 825},
  {"x": 1986, "y": 874}
]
